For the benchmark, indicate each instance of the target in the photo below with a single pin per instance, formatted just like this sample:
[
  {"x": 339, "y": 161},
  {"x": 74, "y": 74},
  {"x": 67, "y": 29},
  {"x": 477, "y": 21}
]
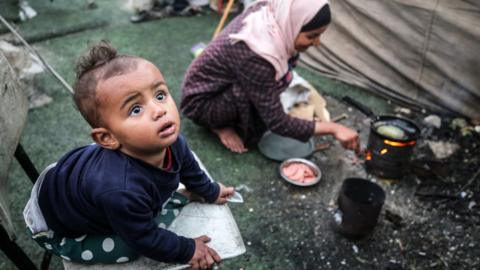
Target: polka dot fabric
[{"x": 107, "y": 249}]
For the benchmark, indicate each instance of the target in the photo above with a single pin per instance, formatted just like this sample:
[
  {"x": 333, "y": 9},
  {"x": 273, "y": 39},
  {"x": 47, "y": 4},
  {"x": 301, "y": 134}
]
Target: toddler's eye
[
  {"x": 136, "y": 110},
  {"x": 160, "y": 96}
]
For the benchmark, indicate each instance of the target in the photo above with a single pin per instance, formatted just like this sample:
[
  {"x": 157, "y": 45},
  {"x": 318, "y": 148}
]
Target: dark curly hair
[{"x": 100, "y": 62}]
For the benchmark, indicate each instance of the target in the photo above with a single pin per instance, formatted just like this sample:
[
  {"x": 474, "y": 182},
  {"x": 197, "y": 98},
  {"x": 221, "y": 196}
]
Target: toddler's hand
[
  {"x": 204, "y": 256},
  {"x": 224, "y": 194}
]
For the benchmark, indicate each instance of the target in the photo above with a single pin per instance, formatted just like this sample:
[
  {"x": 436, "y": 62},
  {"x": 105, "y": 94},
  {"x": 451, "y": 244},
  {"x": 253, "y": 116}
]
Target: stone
[
  {"x": 433, "y": 120},
  {"x": 442, "y": 149},
  {"x": 403, "y": 110}
]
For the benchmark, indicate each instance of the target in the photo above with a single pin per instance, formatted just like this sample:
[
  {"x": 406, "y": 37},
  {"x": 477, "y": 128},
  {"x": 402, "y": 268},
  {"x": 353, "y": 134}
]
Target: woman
[{"x": 233, "y": 87}]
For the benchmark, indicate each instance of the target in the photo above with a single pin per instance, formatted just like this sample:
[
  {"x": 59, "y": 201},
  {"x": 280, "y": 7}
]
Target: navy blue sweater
[{"x": 93, "y": 190}]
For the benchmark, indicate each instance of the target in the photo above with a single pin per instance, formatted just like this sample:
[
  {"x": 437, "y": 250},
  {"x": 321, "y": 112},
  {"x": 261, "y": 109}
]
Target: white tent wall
[{"x": 422, "y": 53}]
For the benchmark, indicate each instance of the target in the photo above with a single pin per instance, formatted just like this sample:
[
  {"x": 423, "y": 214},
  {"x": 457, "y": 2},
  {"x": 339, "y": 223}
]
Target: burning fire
[
  {"x": 398, "y": 144},
  {"x": 383, "y": 151},
  {"x": 368, "y": 155}
]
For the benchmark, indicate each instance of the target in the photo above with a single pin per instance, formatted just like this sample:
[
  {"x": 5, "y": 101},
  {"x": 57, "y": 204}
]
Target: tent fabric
[
  {"x": 421, "y": 53},
  {"x": 13, "y": 116}
]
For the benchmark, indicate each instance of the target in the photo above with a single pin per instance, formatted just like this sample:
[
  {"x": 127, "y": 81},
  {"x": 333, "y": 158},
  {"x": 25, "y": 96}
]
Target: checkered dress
[{"x": 229, "y": 85}]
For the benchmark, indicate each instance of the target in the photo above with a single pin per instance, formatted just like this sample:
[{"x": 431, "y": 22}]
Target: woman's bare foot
[{"x": 231, "y": 140}]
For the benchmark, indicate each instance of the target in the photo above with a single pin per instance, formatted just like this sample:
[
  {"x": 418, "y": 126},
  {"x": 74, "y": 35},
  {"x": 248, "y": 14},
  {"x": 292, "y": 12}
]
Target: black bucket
[{"x": 359, "y": 204}]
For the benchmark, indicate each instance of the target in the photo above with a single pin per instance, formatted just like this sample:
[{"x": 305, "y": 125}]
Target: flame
[
  {"x": 368, "y": 155},
  {"x": 399, "y": 144},
  {"x": 383, "y": 151}
]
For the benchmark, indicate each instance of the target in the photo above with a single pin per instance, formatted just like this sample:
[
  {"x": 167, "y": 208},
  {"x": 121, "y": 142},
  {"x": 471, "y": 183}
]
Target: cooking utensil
[
  {"x": 280, "y": 148},
  {"x": 313, "y": 166},
  {"x": 390, "y": 143},
  {"x": 359, "y": 204},
  {"x": 411, "y": 129}
]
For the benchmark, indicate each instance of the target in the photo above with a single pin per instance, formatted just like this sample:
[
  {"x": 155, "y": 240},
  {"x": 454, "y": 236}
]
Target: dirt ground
[{"x": 429, "y": 221}]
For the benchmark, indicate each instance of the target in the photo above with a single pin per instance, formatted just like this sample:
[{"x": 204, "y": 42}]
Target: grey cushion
[{"x": 13, "y": 115}]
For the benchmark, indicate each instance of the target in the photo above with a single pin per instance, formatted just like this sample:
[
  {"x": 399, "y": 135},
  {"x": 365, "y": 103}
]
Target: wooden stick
[
  {"x": 339, "y": 117},
  {"x": 223, "y": 19}
]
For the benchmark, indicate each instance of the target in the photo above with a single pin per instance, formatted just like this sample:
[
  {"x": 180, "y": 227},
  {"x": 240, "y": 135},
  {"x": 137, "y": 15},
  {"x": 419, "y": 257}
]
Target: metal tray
[
  {"x": 306, "y": 162},
  {"x": 279, "y": 148}
]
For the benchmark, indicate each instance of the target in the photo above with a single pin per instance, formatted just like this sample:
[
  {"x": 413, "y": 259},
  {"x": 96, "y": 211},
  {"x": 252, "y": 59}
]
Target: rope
[{"x": 45, "y": 64}]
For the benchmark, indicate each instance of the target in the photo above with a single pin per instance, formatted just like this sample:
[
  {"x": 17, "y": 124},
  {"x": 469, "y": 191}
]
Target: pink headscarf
[{"x": 271, "y": 31}]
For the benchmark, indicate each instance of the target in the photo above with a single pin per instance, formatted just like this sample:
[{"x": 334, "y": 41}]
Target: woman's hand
[
  {"x": 224, "y": 194},
  {"x": 346, "y": 136}
]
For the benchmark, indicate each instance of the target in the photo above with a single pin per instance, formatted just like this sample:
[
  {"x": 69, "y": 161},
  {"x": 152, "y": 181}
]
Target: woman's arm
[{"x": 257, "y": 79}]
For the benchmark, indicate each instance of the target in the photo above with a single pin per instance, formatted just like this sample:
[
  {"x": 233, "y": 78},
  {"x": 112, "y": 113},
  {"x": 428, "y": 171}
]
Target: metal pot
[
  {"x": 388, "y": 156},
  {"x": 359, "y": 204}
]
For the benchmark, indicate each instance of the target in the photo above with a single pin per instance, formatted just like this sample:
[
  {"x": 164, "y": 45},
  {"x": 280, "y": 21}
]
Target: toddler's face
[{"x": 138, "y": 110}]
